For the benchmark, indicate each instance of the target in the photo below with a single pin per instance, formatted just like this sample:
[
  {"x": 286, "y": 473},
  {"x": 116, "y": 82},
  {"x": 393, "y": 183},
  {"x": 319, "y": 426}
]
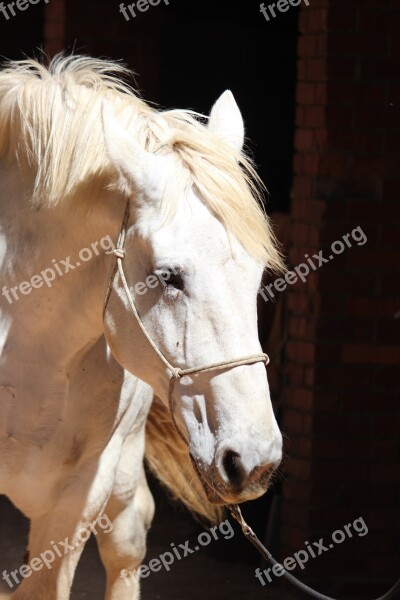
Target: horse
[{"x": 85, "y": 384}]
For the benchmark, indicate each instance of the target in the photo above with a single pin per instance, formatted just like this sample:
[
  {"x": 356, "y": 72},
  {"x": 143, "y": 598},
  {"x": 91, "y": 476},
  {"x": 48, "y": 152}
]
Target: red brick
[
  {"x": 292, "y": 421},
  {"x": 299, "y": 161},
  {"x": 297, "y": 327},
  {"x": 295, "y": 374},
  {"x": 317, "y": 20},
  {"x": 298, "y": 302},
  {"x": 334, "y": 164},
  {"x": 301, "y": 70},
  {"x": 304, "y": 21},
  {"x": 304, "y": 139},
  {"x": 309, "y": 376},
  {"x": 320, "y": 94},
  {"x": 299, "y": 233},
  {"x": 348, "y": 143},
  {"x": 55, "y": 10},
  {"x": 298, "y": 467},
  {"x": 314, "y": 116},
  {"x": 316, "y": 70},
  {"x": 307, "y": 424},
  {"x": 307, "y": 45},
  {"x": 302, "y": 188},
  {"x": 302, "y": 399},
  {"x": 297, "y": 491},
  {"x": 302, "y": 352}
]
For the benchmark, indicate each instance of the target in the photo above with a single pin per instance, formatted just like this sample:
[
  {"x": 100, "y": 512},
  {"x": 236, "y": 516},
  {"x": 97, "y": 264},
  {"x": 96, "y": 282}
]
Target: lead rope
[
  {"x": 176, "y": 374},
  {"x": 236, "y": 513}
]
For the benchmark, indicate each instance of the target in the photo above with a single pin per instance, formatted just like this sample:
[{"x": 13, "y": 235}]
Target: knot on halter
[
  {"x": 119, "y": 252},
  {"x": 176, "y": 373}
]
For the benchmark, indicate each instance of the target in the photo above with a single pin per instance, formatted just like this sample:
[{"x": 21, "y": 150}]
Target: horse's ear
[
  {"x": 226, "y": 120},
  {"x": 135, "y": 166}
]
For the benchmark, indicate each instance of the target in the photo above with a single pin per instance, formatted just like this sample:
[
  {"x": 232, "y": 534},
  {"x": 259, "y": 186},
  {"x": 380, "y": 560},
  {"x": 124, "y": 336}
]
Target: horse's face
[{"x": 196, "y": 290}]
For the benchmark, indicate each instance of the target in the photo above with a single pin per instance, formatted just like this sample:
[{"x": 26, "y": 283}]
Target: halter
[{"x": 176, "y": 372}]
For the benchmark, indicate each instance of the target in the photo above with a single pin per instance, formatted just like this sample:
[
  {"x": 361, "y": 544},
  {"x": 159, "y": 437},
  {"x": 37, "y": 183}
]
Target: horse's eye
[{"x": 172, "y": 278}]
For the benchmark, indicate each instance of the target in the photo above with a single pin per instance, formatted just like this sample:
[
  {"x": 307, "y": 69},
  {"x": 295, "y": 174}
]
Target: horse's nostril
[{"x": 234, "y": 468}]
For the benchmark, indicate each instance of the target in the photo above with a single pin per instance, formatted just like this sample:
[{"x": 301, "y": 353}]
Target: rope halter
[{"x": 176, "y": 372}]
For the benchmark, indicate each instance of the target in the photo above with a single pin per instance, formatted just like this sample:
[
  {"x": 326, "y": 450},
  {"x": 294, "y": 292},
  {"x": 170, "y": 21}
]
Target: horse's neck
[{"x": 47, "y": 329}]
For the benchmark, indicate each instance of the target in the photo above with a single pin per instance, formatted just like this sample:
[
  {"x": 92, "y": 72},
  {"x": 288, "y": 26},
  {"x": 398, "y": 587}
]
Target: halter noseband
[{"x": 176, "y": 372}]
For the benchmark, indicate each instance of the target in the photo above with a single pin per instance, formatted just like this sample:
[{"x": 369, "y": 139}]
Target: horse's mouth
[{"x": 219, "y": 494}]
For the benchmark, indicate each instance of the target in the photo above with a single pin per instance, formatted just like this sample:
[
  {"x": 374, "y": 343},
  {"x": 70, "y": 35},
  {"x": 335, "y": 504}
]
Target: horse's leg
[
  {"x": 57, "y": 538},
  {"x": 54, "y": 550},
  {"x": 131, "y": 510}
]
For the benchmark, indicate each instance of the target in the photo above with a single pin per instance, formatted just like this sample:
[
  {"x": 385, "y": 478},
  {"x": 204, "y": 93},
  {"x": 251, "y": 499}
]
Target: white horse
[{"x": 78, "y": 148}]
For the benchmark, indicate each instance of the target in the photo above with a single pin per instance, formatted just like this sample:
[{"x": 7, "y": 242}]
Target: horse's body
[
  {"x": 72, "y": 439},
  {"x": 72, "y": 416}
]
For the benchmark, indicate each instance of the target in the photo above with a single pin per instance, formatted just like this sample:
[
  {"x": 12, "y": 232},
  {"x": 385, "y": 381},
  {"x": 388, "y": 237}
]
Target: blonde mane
[{"x": 50, "y": 122}]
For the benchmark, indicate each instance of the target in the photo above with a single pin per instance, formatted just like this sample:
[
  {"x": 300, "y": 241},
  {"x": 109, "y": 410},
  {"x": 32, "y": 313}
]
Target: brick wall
[{"x": 342, "y": 357}]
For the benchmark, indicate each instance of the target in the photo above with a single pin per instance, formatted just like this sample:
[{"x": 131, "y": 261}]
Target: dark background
[{"x": 200, "y": 49}]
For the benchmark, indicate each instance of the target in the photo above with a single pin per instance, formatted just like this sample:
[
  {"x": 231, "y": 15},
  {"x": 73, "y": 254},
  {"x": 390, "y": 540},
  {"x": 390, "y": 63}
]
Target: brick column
[
  {"x": 342, "y": 409},
  {"x": 54, "y": 27}
]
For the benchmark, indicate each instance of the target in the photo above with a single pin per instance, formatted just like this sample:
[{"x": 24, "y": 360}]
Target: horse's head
[{"x": 195, "y": 284}]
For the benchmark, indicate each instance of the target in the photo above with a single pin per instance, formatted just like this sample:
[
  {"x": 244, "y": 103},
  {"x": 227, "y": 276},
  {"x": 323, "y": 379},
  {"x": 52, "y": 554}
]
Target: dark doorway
[
  {"x": 21, "y": 35},
  {"x": 207, "y": 47}
]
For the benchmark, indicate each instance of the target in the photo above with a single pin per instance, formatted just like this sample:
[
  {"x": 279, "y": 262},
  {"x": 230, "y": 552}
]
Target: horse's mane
[
  {"x": 168, "y": 458},
  {"x": 51, "y": 124},
  {"x": 50, "y": 121}
]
